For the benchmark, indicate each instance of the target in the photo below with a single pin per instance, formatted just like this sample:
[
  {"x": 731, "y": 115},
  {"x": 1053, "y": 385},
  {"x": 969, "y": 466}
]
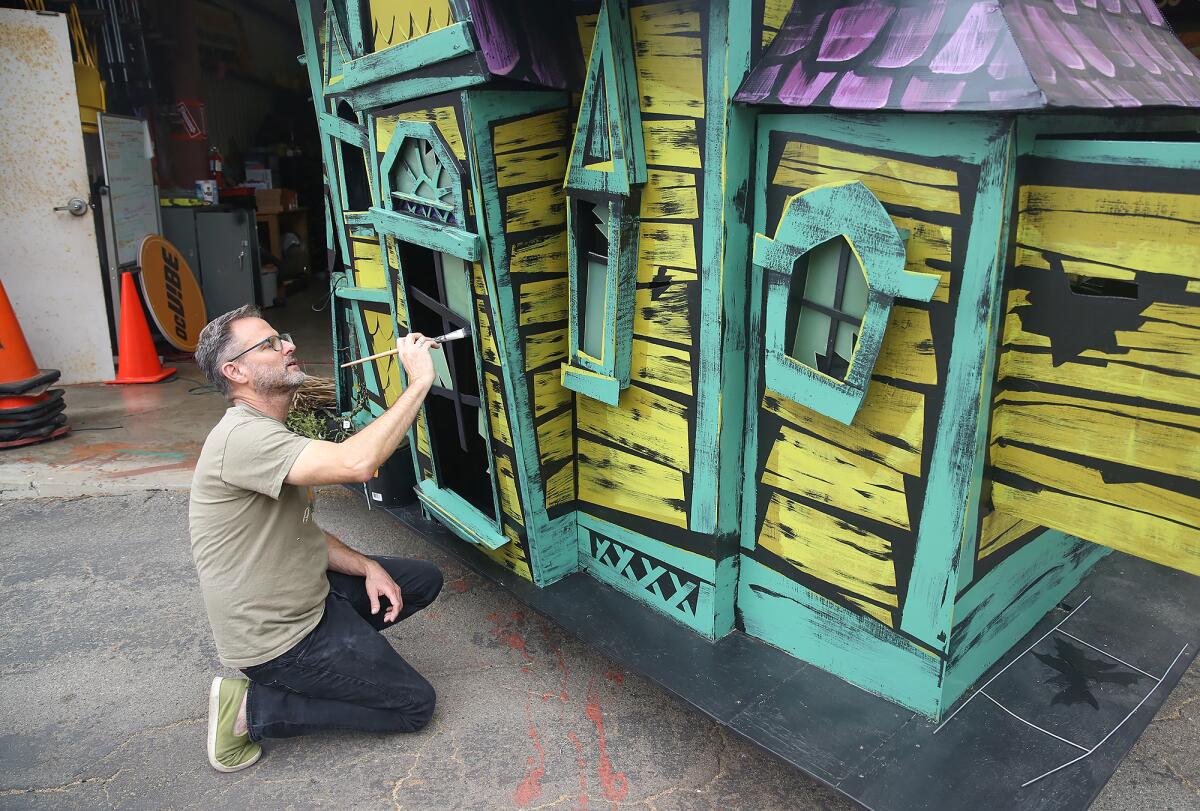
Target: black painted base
[{"x": 881, "y": 755}]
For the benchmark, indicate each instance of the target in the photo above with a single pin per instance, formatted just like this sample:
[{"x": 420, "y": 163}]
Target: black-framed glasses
[{"x": 273, "y": 341}]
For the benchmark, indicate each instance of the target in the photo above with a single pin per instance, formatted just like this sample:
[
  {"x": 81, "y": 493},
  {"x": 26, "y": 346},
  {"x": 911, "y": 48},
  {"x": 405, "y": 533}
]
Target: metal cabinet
[{"x": 221, "y": 245}]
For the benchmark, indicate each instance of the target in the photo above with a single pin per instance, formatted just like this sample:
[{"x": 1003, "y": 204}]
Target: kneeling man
[{"x": 291, "y": 606}]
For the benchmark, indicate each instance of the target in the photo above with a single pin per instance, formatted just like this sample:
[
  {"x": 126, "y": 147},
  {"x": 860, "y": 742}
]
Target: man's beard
[{"x": 278, "y": 380}]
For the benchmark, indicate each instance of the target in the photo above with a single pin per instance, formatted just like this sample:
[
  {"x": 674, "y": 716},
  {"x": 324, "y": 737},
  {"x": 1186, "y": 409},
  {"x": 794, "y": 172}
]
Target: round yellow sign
[{"x": 172, "y": 294}]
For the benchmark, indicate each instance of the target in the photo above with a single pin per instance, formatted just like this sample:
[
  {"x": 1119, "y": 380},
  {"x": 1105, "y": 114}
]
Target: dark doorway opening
[
  {"x": 354, "y": 167},
  {"x": 438, "y": 288}
]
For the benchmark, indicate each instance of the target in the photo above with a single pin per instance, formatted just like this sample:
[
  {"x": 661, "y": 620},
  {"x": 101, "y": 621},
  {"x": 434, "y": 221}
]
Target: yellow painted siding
[
  {"x": 539, "y": 254},
  {"x": 1097, "y": 433},
  {"x": 669, "y": 71},
  {"x": 1143, "y": 231},
  {"x": 536, "y": 130},
  {"x": 445, "y": 119},
  {"x": 774, "y": 13},
  {"x": 507, "y": 485},
  {"x": 545, "y": 347},
  {"x": 815, "y": 469},
  {"x": 663, "y": 366},
  {"x": 892, "y": 180},
  {"x": 381, "y": 337},
  {"x": 496, "y": 412},
  {"x": 888, "y": 428},
  {"x": 397, "y": 21},
  {"x": 555, "y": 437},
  {"x": 642, "y": 422},
  {"x": 998, "y": 530},
  {"x": 839, "y": 553},
  {"x": 670, "y": 195},
  {"x": 548, "y": 394},
  {"x": 543, "y": 301},
  {"x": 629, "y": 484},
  {"x": 368, "y": 263},
  {"x": 539, "y": 207}
]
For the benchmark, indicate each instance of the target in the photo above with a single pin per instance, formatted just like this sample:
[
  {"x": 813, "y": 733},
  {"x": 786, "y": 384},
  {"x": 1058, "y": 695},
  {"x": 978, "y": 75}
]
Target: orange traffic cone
[
  {"x": 28, "y": 413},
  {"x": 19, "y": 374},
  {"x": 137, "y": 361}
]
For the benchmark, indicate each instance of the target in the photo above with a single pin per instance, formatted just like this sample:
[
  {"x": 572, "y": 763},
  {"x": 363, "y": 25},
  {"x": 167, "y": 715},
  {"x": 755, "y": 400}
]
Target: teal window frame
[
  {"x": 810, "y": 219},
  {"x": 609, "y": 174},
  {"x": 423, "y": 131},
  {"x": 602, "y": 378}
]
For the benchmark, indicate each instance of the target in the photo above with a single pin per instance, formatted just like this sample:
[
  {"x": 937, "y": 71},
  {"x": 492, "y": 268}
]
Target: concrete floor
[{"x": 105, "y": 657}]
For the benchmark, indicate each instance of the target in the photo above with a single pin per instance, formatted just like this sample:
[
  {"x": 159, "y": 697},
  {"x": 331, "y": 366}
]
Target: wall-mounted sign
[{"x": 171, "y": 292}]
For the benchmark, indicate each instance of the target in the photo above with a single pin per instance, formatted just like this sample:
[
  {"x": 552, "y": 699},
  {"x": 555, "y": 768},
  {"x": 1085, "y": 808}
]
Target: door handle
[{"x": 75, "y": 206}]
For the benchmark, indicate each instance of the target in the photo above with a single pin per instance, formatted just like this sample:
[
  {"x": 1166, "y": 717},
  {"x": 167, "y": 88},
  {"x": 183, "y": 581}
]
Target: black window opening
[
  {"x": 1102, "y": 287},
  {"x": 354, "y": 167},
  {"x": 439, "y": 302},
  {"x": 590, "y": 224},
  {"x": 347, "y": 348},
  {"x": 826, "y": 304}
]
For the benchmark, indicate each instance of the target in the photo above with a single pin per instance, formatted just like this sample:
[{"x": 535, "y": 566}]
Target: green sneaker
[{"x": 228, "y": 752}]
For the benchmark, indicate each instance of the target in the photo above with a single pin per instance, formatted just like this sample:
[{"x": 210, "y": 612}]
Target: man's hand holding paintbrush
[{"x": 431, "y": 343}]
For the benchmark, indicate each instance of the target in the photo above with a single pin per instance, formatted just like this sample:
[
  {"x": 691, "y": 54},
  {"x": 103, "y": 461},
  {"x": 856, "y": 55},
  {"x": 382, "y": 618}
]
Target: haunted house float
[{"x": 861, "y": 328}]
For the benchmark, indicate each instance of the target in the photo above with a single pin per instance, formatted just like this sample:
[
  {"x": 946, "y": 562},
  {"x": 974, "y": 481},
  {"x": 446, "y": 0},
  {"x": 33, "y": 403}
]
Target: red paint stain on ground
[
  {"x": 460, "y": 586},
  {"x": 615, "y": 676},
  {"x": 583, "y": 798},
  {"x": 509, "y": 636},
  {"x": 142, "y": 471},
  {"x": 613, "y": 782},
  {"x": 531, "y": 787}
]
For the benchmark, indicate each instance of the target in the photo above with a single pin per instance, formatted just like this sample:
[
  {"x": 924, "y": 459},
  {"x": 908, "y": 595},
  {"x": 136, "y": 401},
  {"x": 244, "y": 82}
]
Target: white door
[{"x": 49, "y": 261}]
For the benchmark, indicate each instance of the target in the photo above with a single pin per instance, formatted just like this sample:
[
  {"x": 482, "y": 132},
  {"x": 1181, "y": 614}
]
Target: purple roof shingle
[{"x": 974, "y": 55}]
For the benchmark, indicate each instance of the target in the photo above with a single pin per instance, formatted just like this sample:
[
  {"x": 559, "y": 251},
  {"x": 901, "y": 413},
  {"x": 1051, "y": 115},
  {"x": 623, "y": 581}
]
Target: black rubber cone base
[{"x": 30, "y": 385}]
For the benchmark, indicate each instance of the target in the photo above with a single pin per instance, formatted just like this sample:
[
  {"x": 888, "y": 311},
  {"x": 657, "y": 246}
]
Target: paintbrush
[{"x": 441, "y": 339}]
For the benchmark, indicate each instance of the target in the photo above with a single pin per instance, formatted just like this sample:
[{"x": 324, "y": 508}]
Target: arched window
[
  {"x": 420, "y": 184},
  {"x": 832, "y": 271}
]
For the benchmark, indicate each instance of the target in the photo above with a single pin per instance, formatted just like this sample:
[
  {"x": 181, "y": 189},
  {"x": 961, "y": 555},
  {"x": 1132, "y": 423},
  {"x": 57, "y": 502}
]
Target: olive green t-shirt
[{"x": 260, "y": 555}]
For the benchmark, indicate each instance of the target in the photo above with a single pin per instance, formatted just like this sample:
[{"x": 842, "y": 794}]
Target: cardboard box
[{"x": 272, "y": 201}]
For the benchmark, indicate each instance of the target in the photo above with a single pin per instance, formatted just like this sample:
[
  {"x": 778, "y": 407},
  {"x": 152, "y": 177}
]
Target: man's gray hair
[{"x": 216, "y": 345}]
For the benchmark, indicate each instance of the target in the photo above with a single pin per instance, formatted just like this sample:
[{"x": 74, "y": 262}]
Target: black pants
[{"x": 344, "y": 674}]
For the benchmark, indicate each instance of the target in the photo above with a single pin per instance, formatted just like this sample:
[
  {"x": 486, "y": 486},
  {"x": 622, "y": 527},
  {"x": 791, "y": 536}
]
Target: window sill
[{"x": 598, "y": 386}]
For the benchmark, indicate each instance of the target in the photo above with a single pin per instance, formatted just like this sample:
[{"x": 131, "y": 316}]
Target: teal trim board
[
  {"x": 433, "y": 235},
  {"x": 934, "y": 579},
  {"x": 436, "y": 46},
  {"x": 850, "y": 645},
  {"x": 993, "y": 615},
  {"x": 458, "y": 514},
  {"x": 680, "y": 584},
  {"x": 598, "y": 386}
]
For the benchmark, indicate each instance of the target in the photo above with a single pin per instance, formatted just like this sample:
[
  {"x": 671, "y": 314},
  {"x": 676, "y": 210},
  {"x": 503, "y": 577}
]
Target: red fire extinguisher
[{"x": 216, "y": 167}]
